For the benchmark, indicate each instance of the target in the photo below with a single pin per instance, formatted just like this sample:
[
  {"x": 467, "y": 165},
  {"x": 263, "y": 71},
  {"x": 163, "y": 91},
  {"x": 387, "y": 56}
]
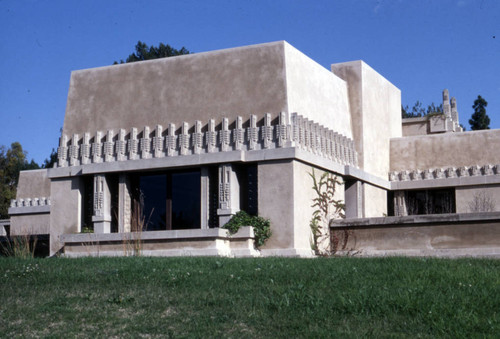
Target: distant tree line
[
  {"x": 419, "y": 110},
  {"x": 144, "y": 52}
]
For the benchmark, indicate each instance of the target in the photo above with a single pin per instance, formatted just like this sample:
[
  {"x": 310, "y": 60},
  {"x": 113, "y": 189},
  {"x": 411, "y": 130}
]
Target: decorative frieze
[
  {"x": 30, "y": 202},
  {"x": 441, "y": 173},
  {"x": 288, "y": 131}
]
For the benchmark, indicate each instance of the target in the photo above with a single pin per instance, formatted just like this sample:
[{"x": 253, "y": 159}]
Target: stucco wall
[
  {"x": 65, "y": 210},
  {"x": 426, "y": 235},
  {"x": 375, "y": 106},
  {"x": 285, "y": 197},
  {"x": 316, "y": 93},
  {"x": 375, "y": 201},
  {"x": 225, "y": 83},
  {"x": 275, "y": 192},
  {"x": 33, "y": 184},
  {"x": 302, "y": 208},
  {"x": 485, "y": 195},
  {"x": 30, "y": 224},
  {"x": 415, "y": 126},
  {"x": 445, "y": 150}
]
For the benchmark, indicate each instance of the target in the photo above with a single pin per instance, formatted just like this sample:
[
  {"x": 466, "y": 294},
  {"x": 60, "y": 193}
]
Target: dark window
[
  {"x": 247, "y": 179},
  {"x": 427, "y": 201},
  {"x": 166, "y": 201},
  {"x": 87, "y": 203},
  {"x": 213, "y": 196}
]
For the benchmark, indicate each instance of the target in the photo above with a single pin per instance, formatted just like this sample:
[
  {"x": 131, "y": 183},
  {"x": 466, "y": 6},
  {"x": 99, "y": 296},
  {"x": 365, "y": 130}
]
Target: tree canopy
[
  {"x": 144, "y": 52},
  {"x": 12, "y": 161},
  {"x": 418, "y": 110},
  {"x": 479, "y": 119}
]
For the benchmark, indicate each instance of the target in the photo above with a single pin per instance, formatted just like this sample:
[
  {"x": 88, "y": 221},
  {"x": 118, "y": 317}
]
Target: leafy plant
[
  {"x": 326, "y": 208},
  {"x": 261, "y": 226}
]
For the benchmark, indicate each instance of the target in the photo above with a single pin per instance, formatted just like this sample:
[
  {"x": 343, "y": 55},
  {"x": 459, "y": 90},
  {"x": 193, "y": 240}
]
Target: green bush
[{"x": 261, "y": 226}]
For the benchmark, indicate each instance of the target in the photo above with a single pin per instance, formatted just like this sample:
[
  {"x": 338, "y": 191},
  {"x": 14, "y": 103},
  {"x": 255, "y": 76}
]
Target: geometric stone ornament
[
  {"x": 197, "y": 138},
  {"x": 253, "y": 133},
  {"x": 239, "y": 135},
  {"x": 211, "y": 136},
  {"x": 171, "y": 141},
  {"x": 267, "y": 131},
  {"x": 145, "y": 143}
]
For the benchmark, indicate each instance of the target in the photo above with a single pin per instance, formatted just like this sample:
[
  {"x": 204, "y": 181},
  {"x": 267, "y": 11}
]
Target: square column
[
  {"x": 229, "y": 194},
  {"x": 102, "y": 205},
  {"x": 124, "y": 203},
  {"x": 354, "y": 199}
]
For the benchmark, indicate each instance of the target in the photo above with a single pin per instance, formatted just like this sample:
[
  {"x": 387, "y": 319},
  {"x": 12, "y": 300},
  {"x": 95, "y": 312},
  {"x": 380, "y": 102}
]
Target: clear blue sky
[{"x": 420, "y": 46}]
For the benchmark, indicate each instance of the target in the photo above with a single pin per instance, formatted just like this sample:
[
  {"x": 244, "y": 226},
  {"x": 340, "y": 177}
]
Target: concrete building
[{"x": 178, "y": 145}]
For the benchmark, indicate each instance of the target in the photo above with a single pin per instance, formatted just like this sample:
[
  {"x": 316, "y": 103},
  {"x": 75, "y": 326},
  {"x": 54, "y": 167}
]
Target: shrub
[{"x": 261, "y": 226}]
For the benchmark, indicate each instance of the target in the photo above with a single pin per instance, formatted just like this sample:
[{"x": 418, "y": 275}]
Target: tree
[
  {"x": 51, "y": 160},
  {"x": 418, "y": 110},
  {"x": 12, "y": 161},
  {"x": 143, "y": 52},
  {"x": 479, "y": 119}
]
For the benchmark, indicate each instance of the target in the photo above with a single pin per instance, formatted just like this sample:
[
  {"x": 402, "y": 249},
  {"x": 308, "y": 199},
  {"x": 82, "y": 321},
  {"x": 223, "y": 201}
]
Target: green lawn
[{"x": 248, "y": 298}]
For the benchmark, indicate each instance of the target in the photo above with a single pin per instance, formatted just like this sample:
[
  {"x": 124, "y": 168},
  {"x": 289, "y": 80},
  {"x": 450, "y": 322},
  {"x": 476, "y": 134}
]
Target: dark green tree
[
  {"x": 12, "y": 161},
  {"x": 144, "y": 52},
  {"x": 51, "y": 160},
  {"x": 479, "y": 119}
]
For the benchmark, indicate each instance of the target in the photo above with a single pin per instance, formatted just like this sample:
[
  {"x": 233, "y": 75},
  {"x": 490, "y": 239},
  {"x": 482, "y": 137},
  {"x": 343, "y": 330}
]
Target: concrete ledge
[
  {"x": 195, "y": 242},
  {"x": 446, "y": 235},
  {"x": 29, "y": 210},
  {"x": 417, "y": 219}
]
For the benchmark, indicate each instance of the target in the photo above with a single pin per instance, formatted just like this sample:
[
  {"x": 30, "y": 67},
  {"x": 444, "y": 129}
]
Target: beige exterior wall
[
  {"x": 375, "y": 201},
  {"x": 30, "y": 224},
  {"x": 286, "y": 198},
  {"x": 33, "y": 184},
  {"x": 316, "y": 93},
  {"x": 275, "y": 192},
  {"x": 415, "y": 126},
  {"x": 65, "y": 210},
  {"x": 226, "y": 83},
  {"x": 375, "y": 106},
  {"x": 445, "y": 150},
  {"x": 302, "y": 206},
  {"x": 444, "y": 235},
  {"x": 465, "y": 196}
]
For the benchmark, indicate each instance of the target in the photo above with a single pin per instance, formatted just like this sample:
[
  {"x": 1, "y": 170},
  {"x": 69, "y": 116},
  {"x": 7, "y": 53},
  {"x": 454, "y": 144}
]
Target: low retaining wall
[
  {"x": 195, "y": 242},
  {"x": 442, "y": 235}
]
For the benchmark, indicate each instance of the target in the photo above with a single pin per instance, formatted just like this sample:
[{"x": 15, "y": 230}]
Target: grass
[{"x": 248, "y": 298}]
